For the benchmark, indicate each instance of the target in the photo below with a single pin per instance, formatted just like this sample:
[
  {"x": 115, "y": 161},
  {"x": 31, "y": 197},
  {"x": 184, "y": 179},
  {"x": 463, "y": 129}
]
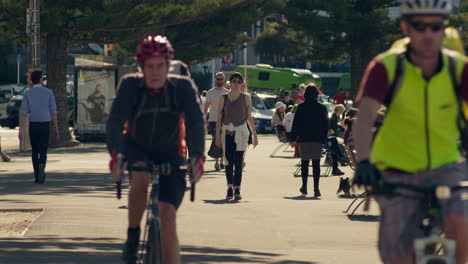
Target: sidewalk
[{"x": 84, "y": 222}]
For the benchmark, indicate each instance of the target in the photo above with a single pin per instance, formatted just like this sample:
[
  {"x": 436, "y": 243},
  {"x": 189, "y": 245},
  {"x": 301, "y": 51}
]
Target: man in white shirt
[{"x": 212, "y": 103}]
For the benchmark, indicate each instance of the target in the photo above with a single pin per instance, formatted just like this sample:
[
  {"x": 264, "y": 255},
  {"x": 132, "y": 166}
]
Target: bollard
[{"x": 25, "y": 143}]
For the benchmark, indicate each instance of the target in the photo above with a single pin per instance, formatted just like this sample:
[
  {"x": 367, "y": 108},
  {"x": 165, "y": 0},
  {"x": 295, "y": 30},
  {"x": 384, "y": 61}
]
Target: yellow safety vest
[{"x": 420, "y": 130}]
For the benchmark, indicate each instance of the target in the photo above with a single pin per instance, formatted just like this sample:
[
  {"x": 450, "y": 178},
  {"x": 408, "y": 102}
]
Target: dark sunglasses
[
  {"x": 219, "y": 79},
  {"x": 421, "y": 26},
  {"x": 236, "y": 81}
]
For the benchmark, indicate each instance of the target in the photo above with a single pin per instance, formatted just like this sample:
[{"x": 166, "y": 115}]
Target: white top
[
  {"x": 212, "y": 98},
  {"x": 241, "y": 137},
  {"x": 288, "y": 121}
]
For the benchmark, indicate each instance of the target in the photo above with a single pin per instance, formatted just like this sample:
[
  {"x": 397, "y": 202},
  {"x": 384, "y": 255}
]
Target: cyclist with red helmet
[{"x": 152, "y": 116}]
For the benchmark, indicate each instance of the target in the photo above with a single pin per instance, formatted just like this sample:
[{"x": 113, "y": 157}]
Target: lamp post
[{"x": 33, "y": 28}]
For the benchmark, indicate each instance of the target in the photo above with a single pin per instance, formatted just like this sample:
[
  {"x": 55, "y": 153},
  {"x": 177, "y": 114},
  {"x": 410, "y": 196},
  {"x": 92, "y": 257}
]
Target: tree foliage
[
  {"x": 335, "y": 31},
  {"x": 460, "y": 21},
  {"x": 282, "y": 43},
  {"x": 199, "y": 29}
]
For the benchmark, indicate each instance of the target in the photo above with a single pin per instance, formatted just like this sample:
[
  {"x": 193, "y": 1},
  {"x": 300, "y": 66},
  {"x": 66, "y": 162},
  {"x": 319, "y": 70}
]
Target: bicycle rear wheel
[{"x": 152, "y": 253}]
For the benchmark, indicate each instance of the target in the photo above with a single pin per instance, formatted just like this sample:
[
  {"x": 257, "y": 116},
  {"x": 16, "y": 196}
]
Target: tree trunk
[
  {"x": 56, "y": 81},
  {"x": 359, "y": 60}
]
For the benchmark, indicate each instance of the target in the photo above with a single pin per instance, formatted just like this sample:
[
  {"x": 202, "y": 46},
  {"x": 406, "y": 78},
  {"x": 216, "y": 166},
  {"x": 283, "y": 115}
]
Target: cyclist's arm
[
  {"x": 120, "y": 111},
  {"x": 194, "y": 123},
  {"x": 362, "y": 130},
  {"x": 374, "y": 87}
]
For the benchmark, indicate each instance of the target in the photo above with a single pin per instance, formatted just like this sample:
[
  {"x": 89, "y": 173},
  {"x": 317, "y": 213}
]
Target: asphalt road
[{"x": 272, "y": 224}]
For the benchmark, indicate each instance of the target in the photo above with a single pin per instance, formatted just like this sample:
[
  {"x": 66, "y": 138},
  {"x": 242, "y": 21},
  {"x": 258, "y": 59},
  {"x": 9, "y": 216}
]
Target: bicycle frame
[
  {"x": 152, "y": 251},
  {"x": 432, "y": 222}
]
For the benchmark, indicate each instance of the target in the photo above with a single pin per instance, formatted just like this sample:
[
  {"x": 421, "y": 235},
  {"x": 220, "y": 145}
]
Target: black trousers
[
  {"x": 39, "y": 136},
  {"x": 334, "y": 146},
  {"x": 315, "y": 172},
  {"x": 235, "y": 159}
]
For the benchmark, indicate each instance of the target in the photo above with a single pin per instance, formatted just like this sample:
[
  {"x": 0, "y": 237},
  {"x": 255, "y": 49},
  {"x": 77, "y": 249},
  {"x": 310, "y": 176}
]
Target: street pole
[
  {"x": 35, "y": 34},
  {"x": 213, "y": 72},
  {"x": 17, "y": 71},
  {"x": 245, "y": 60}
]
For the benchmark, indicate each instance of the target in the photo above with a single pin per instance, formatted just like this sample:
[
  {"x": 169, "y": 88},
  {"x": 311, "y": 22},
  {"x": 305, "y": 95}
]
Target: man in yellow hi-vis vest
[{"x": 418, "y": 143}]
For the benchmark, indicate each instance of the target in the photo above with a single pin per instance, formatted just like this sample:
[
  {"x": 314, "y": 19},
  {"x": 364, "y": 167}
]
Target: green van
[
  {"x": 268, "y": 79},
  {"x": 345, "y": 82}
]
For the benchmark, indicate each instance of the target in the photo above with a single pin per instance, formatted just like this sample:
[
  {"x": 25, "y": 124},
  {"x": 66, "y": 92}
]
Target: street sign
[
  {"x": 229, "y": 63},
  {"x": 19, "y": 58}
]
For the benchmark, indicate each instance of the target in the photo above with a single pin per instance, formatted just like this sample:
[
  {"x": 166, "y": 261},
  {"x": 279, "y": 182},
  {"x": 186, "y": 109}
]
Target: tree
[
  {"x": 460, "y": 21},
  {"x": 281, "y": 44},
  {"x": 343, "y": 30},
  {"x": 66, "y": 23}
]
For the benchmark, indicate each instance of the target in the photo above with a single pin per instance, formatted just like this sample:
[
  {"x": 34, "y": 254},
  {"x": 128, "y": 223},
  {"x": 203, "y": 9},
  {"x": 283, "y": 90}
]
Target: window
[
  {"x": 257, "y": 103},
  {"x": 264, "y": 76}
]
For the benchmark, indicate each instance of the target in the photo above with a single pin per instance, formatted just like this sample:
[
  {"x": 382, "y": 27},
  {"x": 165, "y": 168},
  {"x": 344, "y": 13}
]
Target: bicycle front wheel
[{"x": 153, "y": 251}]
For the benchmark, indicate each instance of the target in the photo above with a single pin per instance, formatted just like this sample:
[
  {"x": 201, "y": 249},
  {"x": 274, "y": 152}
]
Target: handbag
[{"x": 214, "y": 151}]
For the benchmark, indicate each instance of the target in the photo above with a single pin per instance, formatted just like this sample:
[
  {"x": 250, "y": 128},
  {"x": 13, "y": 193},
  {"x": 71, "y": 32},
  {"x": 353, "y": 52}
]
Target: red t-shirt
[
  {"x": 339, "y": 98},
  {"x": 300, "y": 98},
  {"x": 374, "y": 84}
]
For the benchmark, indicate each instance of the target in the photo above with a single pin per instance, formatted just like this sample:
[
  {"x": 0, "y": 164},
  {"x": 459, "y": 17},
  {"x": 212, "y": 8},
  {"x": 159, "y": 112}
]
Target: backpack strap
[
  {"x": 397, "y": 79},
  {"x": 456, "y": 86},
  {"x": 462, "y": 121},
  {"x": 225, "y": 97}
]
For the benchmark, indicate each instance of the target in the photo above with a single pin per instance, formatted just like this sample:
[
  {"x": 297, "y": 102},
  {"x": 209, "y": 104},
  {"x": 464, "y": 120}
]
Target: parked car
[
  {"x": 6, "y": 93},
  {"x": 12, "y": 112},
  {"x": 261, "y": 113}
]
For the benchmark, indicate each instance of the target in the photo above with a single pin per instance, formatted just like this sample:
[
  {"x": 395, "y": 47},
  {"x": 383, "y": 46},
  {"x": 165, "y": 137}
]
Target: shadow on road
[
  {"x": 302, "y": 197},
  {"x": 63, "y": 183},
  {"x": 364, "y": 218},
  {"x": 224, "y": 201},
  {"x": 51, "y": 250},
  {"x": 352, "y": 196},
  {"x": 82, "y": 148},
  {"x": 202, "y": 255},
  {"x": 283, "y": 157}
]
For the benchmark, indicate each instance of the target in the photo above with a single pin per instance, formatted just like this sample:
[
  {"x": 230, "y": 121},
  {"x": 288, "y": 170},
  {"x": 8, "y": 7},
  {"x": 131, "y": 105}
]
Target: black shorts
[{"x": 171, "y": 187}]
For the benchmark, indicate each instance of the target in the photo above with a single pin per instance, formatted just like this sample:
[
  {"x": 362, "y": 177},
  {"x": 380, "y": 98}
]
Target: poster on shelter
[{"x": 95, "y": 92}]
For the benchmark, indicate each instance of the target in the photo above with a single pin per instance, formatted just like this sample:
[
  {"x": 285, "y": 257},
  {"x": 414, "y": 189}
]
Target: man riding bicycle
[
  {"x": 152, "y": 115},
  {"x": 418, "y": 141}
]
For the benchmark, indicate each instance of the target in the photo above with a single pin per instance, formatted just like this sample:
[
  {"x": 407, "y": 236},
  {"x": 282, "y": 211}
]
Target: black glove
[{"x": 367, "y": 175}]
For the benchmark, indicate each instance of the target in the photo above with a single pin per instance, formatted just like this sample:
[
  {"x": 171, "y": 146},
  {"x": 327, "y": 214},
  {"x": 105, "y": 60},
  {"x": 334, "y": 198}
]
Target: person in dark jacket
[{"x": 309, "y": 130}]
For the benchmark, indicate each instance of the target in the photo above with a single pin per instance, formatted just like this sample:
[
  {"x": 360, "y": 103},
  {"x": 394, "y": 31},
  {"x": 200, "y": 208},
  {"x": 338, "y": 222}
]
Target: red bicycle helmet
[{"x": 154, "y": 46}]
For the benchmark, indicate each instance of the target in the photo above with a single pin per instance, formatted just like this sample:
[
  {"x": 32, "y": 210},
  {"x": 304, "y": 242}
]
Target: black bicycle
[
  {"x": 433, "y": 248},
  {"x": 150, "y": 249}
]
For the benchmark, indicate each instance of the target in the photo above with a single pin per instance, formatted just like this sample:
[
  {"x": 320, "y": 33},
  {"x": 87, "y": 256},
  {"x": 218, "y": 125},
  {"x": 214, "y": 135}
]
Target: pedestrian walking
[
  {"x": 211, "y": 109},
  {"x": 309, "y": 130},
  {"x": 39, "y": 105},
  {"x": 232, "y": 133}
]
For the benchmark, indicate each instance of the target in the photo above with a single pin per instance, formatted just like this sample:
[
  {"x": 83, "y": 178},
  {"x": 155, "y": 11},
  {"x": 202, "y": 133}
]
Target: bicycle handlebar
[{"x": 440, "y": 191}]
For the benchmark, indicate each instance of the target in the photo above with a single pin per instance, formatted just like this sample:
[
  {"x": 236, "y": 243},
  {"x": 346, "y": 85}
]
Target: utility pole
[{"x": 33, "y": 28}]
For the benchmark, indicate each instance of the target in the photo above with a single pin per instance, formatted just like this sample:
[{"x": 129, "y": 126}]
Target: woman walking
[
  {"x": 309, "y": 130},
  {"x": 232, "y": 133}
]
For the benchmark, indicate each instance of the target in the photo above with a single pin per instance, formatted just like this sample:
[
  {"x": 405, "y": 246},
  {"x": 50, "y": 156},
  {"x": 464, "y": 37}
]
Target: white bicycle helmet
[{"x": 426, "y": 7}]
